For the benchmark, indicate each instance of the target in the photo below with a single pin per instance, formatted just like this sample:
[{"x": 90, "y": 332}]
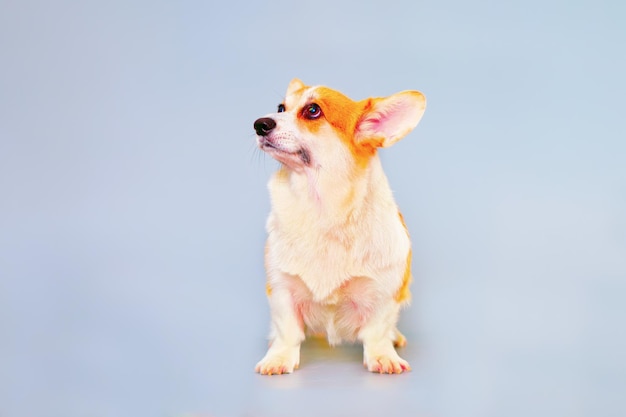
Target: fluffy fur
[{"x": 338, "y": 254}]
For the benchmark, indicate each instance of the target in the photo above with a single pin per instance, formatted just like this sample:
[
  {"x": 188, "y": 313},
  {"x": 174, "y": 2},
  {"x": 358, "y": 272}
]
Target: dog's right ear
[{"x": 294, "y": 86}]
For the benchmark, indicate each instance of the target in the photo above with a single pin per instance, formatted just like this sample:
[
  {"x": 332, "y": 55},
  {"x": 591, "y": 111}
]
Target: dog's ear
[
  {"x": 387, "y": 120},
  {"x": 294, "y": 86}
]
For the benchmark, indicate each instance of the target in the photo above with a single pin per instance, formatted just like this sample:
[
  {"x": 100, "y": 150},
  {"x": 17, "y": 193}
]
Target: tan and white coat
[{"x": 338, "y": 254}]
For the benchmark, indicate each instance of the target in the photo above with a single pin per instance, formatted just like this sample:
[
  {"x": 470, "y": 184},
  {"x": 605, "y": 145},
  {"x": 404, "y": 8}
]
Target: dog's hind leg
[{"x": 399, "y": 340}]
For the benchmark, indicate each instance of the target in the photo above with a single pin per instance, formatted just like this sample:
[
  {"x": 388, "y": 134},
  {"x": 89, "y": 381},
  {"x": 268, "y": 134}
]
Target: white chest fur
[{"x": 330, "y": 239}]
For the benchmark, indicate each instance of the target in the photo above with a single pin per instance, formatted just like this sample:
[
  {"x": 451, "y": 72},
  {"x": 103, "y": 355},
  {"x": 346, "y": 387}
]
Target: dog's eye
[
  {"x": 312, "y": 111},
  {"x": 281, "y": 108}
]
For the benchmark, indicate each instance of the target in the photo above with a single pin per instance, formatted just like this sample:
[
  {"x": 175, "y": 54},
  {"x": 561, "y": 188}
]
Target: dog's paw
[
  {"x": 278, "y": 362},
  {"x": 387, "y": 364}
]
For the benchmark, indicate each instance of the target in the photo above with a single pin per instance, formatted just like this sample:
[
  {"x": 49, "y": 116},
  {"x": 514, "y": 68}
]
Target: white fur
[{"x": 337, "y": 249}]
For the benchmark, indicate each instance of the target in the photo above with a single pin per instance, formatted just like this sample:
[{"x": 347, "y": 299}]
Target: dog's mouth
[
  {"x": 290, "y": 158},
  {"x": 265, "y": 144}
]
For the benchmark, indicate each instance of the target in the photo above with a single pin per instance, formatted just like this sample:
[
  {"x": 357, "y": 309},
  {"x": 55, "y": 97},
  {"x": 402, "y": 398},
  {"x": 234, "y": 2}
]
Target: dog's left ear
[
  {"x": 294, "y": 86},
  {"x": 389, "y": 119}
]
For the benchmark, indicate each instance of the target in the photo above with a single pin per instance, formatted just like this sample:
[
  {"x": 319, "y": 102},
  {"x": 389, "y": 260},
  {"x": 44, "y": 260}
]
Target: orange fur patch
[
  {"x": 268, "y": 287},
  {"x": 404, "y": 293},
  {"x": 282, "y": 173},
  {"x": 343, "y": 115}
]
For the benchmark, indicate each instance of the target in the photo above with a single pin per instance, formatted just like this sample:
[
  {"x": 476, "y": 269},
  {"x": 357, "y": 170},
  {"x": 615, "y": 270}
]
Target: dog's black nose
[{"x": 264, "y": 126}]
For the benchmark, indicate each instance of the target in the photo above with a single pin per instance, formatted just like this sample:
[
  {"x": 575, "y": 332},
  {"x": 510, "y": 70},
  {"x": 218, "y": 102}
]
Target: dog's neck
[{"x": 331, "y": 197}]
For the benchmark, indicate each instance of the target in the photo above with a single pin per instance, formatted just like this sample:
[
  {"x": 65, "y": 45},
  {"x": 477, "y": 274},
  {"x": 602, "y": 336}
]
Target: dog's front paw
[
  {"x": 386, "y": 364},
  {"x": 279, "y": 361}
]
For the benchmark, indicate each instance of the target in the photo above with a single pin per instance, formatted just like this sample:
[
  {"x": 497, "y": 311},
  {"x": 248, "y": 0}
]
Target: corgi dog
[{"x": 338, "y": 254}]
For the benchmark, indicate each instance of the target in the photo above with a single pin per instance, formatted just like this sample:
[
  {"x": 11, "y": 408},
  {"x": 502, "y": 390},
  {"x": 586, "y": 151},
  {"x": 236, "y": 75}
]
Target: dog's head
[{"x": 320, "y": 127}]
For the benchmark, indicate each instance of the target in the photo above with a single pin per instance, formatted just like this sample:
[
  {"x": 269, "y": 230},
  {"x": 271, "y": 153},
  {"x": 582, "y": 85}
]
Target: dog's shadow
[{"x": 315, "y": 350}]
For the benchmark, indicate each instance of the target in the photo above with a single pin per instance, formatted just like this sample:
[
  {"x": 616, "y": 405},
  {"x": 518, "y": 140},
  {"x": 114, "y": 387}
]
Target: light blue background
[{"x": 133, "y": 202}]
